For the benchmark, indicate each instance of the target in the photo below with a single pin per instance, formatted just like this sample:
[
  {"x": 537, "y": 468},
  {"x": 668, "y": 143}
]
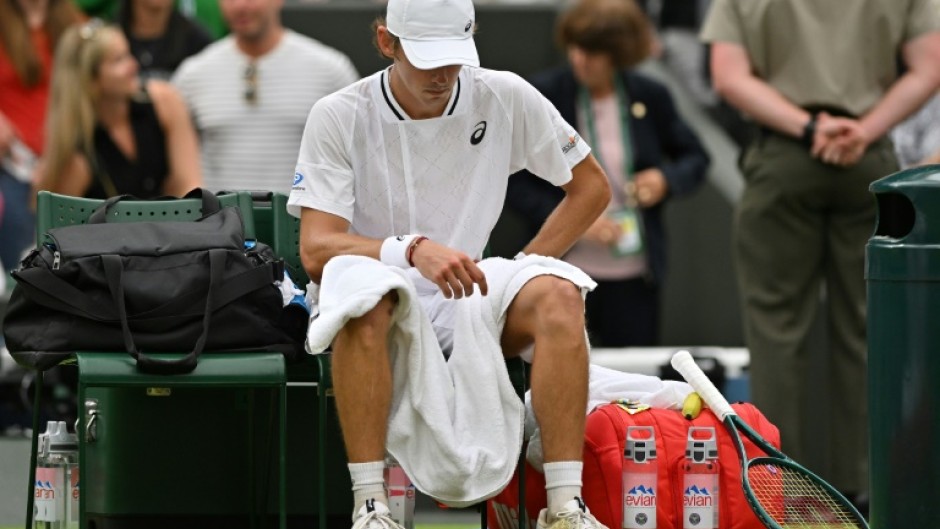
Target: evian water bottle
[
  {"x": 640, "y": 475},
  {"x": 401, "y": 493},
  {"x": 700, "y": 475},
  {"x": 56, "y": 488}
]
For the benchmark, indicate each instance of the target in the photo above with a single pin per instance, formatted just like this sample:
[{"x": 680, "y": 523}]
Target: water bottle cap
[{"x": 58, "y": 438}]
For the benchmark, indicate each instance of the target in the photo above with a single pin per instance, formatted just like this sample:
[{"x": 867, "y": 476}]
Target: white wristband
[{"x": 395, "y": 250}]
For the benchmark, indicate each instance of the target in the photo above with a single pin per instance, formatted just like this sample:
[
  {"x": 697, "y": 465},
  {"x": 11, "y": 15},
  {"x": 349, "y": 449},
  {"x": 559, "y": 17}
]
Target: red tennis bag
[{"x": 605, "y": 436}]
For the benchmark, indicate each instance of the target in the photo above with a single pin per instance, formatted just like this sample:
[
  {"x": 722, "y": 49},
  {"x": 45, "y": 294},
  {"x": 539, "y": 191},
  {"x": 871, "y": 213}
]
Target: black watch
[{"x": 809, "y": 131}]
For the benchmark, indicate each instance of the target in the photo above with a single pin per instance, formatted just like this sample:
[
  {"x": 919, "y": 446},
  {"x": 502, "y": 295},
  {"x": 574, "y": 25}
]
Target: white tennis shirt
[{"x": 363, "y": 159}]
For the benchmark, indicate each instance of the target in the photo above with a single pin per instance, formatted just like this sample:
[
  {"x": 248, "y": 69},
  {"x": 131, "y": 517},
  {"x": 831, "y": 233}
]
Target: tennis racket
[{"x": 782, "y": 493}]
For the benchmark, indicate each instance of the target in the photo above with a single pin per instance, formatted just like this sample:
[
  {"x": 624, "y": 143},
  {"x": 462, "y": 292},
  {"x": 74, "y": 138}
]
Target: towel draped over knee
[{"x": 455, "y": 425}]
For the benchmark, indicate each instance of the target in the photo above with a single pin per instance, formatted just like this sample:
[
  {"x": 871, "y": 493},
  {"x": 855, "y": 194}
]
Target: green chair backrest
[
  {"x": 54, "y": 210},
  {"x": 286, "y": 241},
  {"x": 262, "y": 212}
]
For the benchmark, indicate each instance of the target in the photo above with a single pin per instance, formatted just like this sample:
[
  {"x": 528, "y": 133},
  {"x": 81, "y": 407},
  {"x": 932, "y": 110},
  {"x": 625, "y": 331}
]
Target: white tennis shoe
[
  {"x": 374, "y": 515},
  {"x": 573, "y": 515}
]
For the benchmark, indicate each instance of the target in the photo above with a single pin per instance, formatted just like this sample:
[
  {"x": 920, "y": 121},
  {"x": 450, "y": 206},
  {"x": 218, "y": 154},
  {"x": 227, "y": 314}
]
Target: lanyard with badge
[{"x": 628, "y": 216}]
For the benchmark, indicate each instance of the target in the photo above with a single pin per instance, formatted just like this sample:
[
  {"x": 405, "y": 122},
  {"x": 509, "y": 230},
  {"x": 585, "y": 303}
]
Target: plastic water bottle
[
  {"x": 640, "y": 476},
  {"x": 700, "y": 478},
  {"x": 56, "y": 487},
  {"x": 401, "y": 494}
]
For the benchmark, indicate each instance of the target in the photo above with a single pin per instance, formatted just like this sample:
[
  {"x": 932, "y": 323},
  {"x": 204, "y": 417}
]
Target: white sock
[
  {"x": 562, "y": 484},
  {"x": 368, "y": 481}
]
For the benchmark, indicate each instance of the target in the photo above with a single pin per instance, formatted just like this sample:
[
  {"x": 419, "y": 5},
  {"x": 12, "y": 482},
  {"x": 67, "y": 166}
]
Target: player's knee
[
  {"x": 560, "y": 308},
  {"x": 369, "y": 331}
]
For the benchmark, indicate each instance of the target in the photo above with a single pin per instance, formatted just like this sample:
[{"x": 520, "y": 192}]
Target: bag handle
[
  {"x": 210, "y": 204},
  {"x": 114, "y": 271}
]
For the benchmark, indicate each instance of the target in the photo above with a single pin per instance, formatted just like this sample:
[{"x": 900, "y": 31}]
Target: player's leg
[
  {"x": 362, "y": 382},
  {"x": 549, "y": 312}
]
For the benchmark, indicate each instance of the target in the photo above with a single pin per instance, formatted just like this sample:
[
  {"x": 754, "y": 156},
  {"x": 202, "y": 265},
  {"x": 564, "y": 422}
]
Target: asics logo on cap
[
  {"x": 478, "y": 131},
  {"x": 468, "y": 26}
]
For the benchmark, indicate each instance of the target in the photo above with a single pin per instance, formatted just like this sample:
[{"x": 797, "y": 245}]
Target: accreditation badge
[{"x": 631, "y": 237}]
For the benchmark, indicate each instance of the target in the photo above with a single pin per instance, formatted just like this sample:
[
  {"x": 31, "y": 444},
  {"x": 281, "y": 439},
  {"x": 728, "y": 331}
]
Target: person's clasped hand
[
  {"x": 839, "y": 141},
  {"x": 454, "y": 272}
]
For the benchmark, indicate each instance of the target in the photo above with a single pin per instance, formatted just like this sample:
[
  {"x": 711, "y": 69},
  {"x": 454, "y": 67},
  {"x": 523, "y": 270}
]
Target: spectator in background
[
  {"x": 821, "y": 78},
  {"x": 250, "y": 94},
  {"x": 160, "y": 36},
  {"x": 29, "y": 31},
  {"x": 917, "y": 139},
  {"x": 107, "y": 134},
  {"x": 649, "y": 154}
]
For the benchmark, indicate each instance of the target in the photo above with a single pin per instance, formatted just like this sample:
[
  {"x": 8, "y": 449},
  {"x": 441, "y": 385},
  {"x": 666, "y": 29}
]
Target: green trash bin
[{"x": 903, "y": 274}]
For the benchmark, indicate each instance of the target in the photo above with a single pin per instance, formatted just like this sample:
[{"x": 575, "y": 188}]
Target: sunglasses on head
[{"x": 89, "y": 30}]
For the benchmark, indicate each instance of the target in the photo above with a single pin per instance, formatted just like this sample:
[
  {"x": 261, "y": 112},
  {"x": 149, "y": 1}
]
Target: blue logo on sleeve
[{"x": 298, "y": 178}]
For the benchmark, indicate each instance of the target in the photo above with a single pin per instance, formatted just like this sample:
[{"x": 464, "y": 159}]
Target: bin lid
[{"x": 909, "y": 206}]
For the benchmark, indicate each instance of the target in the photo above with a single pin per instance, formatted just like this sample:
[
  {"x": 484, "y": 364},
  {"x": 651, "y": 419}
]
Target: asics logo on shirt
[{"x": 478, "y": 131}]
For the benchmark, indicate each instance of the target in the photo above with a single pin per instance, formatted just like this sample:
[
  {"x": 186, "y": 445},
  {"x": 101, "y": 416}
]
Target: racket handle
[{"x": 683, "y": 362}]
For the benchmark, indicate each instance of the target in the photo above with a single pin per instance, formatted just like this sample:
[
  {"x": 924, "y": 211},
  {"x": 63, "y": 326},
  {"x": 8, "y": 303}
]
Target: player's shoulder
[
  {"x": 347, "y": 101},
  {"x": 498, "y": 81},
  {"x": 506, "y": 89}
]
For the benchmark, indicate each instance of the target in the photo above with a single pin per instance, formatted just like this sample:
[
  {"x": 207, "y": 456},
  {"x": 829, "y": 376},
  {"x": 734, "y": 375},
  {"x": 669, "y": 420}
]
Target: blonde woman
[{"x": 108, "y": 135}]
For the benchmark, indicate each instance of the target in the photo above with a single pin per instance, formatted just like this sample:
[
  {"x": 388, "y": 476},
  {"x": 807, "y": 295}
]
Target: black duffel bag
[{"x": 151, "y": 287}]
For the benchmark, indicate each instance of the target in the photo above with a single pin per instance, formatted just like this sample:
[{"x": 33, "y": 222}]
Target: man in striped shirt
[{"x": 250, "y": 93}]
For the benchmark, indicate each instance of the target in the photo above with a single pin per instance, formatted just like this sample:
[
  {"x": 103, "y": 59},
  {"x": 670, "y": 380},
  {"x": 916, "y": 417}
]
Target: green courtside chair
[
  {"x": 109, "y": 447},
  {"x": 286, "y": 244},
  {"x": 310, "y": 420}
]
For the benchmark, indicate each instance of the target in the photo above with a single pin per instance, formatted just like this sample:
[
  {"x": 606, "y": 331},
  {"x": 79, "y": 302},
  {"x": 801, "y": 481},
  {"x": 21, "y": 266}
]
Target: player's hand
[
  {"x": 650, "y": 187},
  {"x": 604, "y": 231},
  {"x": 452, "y": 271}
]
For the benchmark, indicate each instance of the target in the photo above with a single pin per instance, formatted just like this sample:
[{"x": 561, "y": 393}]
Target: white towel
[
  {"x": 608, "y": 385},
  {"x": 455, "y": 426}
]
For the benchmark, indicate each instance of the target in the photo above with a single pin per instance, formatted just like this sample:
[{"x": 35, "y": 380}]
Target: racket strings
[{"x": 794, "y": 500}]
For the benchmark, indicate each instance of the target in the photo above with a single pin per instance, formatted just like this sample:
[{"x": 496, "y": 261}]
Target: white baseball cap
[{"x": 434, "y": 33}]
